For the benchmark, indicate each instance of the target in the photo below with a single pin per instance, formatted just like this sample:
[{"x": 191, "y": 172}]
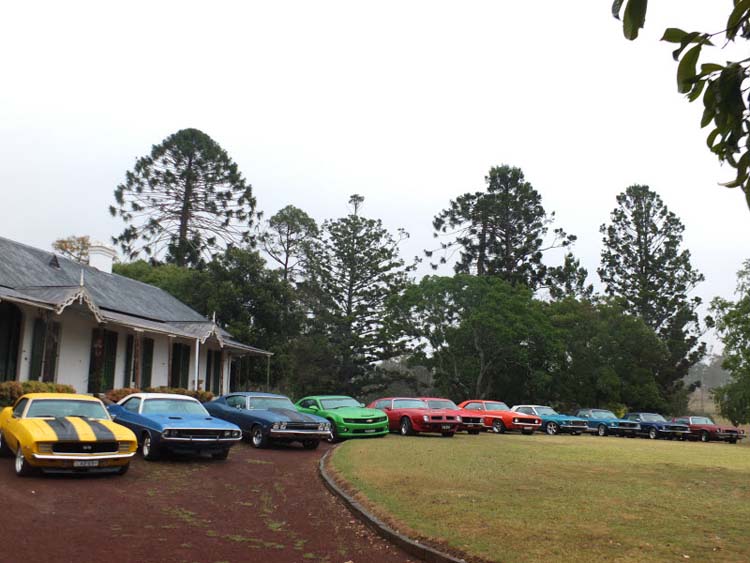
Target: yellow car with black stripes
[{"x": 64, "y": 433}]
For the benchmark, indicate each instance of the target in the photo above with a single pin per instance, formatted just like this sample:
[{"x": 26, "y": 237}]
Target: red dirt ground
[{"x": 259, "y": 505}]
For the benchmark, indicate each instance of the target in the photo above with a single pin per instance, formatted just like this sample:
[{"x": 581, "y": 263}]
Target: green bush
[
  {"x": 116, "y": 394},
  {"x": 11, "y": 390}
]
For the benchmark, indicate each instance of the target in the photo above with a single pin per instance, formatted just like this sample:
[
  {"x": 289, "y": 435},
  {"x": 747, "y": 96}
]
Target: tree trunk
[{"x": 185, "y": 215}]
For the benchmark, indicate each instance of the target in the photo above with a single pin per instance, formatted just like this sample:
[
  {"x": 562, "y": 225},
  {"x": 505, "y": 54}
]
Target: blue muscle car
[
  {"x": 552, "y": 421},
  {"x": 175, "y": 423},
  {"x": 603, "y": 422},
  {"x": 266, "y": 417},
  {"x": 656, "y": 426}
]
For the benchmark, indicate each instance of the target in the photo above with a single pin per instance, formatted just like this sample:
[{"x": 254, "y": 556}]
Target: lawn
[{"x": 561, "y": 498}]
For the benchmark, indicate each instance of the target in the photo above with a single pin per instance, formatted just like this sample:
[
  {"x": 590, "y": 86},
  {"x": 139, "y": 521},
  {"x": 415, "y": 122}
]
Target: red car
[
  {"x": 499, "y": 417},
  {"x": 704, "y": 429},
  {"x": 411, "y": 416},
  {"x": 471, "y": 422}
]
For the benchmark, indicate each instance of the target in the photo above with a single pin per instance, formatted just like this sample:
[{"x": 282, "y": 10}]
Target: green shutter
[
  {"x": 147, "y": 361},
  {"x": 128, "y": 375},
  {"x": 37, "y": 349}
]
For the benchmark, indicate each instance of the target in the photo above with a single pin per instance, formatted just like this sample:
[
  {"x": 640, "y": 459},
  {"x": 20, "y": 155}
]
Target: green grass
[{"x": 562, "y": 498}]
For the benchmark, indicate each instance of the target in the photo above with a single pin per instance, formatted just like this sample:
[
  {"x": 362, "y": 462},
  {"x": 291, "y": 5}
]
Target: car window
[
  {"x": 173, "y": 406},
  {"x": 382, "y": 404},
  {"x": 236, "y": 401},
  {"x": 474, "y": 406},
  {"x": 307, "y": 403},
  {"x": 18, "y": 410},
  {"x": 132, "y": 404},
  {"x": 526, "y": 410}
]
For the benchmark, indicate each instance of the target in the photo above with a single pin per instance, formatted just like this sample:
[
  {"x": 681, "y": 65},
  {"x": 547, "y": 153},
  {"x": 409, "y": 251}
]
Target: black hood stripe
[
  {"x": 102, "y": 433},
  {"x": 64, "y": 430}
]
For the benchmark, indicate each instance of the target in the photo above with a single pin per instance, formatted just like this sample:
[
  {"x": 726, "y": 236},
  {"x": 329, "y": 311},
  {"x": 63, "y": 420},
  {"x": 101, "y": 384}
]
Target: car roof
[
  {"x": 145, "y": 396},
  {"x": 434, "y": 399},
  {"x": 257, "y": 394},
  {"x": 317, "y": 397},
  {"x": 68, "y": 396}
]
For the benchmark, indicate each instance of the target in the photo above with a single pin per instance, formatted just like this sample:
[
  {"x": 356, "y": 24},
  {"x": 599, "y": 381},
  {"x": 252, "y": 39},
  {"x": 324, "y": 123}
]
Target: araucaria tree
[
  {"x": 355, "y": 270},
  {"x": 286, "y": 239},
  {"x": 186, "y": 198},
  {"x": 645, "y": 267},
  {"x": 501, "y": 231}
]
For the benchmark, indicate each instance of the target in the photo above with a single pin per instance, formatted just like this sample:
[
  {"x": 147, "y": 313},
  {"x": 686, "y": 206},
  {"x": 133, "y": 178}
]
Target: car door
[
  {"x": 10, "y": 432},
  {"x": 127, "y": 414},
  {"x": 232, "y": 409}
]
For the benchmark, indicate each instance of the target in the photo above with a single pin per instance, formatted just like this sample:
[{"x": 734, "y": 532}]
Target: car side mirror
[
  {"x": 313, "y": 408},
  {"x": 386, "y": 408},
  {"x": 361, "y": 404}
]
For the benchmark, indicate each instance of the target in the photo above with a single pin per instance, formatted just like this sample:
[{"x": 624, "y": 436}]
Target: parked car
[
  {"x": 62, "y": 432},
  {"x": 603, "y": 422},
  {"x": 471, "y": 422},
  {"x": 411, "y": 416},
  {"x": 266, "y": 418},
  {"x": 348, "y": 417},
  {"x": 656, "y": 426},
  {"x": 498, "y": 417},
  {"x": 165, "y": 422},
  {"x": 704, "y": 429},
  {"x": 552, "y": 421}
]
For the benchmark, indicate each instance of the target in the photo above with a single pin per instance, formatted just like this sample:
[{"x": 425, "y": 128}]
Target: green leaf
[
  {"x": 616, "y": 7},
  {"x": 673, "y": 35},
  {"x": 735, "y": 18},
  {"x": 696, "y": 91},
  {"x": 634, "y": 18},
  {"x": 708, "y": 68},
  {"x": 686, "y": 69},
  {"x": 711, "y": 138}
]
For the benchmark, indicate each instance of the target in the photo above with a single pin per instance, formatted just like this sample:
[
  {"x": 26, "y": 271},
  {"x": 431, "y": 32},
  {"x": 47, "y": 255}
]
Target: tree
[
  {"x": 287, "y": 238},
  {"x": 501, "y": 231},
  {"x": 73, "y": 247},
  {"x": 187, "y": 197},
  {"x": 355, "y": 269},
  {"x": 645, "y": 268},
  {"x": 733, "y": 324},
  {"x": 724, "y": 88}
]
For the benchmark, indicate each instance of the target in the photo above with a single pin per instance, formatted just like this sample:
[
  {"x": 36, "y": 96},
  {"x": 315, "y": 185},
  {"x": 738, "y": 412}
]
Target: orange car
[{"x": 499, "y": 418}]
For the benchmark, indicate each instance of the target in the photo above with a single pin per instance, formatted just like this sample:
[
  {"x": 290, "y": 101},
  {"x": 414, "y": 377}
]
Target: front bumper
[
  {"x": 279, "y": 434},
  {"x": 354, "y": 430},
  {"x": 79, "y": 462},
  {"x": 435, "y": 426},
  {"x": 570, "y": 428}
]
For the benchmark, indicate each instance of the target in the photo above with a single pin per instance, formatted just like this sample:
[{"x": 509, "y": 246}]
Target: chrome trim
[
  {"x": 279, "y": 433},
  {"x": 61, "y": 457},
  {"x": 214, "y": 440}
]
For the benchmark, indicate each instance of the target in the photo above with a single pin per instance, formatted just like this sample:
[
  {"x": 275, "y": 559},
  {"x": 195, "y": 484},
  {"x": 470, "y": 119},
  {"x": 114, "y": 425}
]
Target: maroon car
[
  {"x": 704, "y": 429},
  {"x": 411, "y": 416},
  {"x": 471, "y": 421}
]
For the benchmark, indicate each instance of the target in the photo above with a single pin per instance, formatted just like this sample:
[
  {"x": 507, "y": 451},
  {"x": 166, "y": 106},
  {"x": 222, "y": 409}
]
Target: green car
[{"x": 349, "y": 418}]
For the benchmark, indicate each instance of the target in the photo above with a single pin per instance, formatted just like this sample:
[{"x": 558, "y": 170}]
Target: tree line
[{"x": 341, "y": 309}]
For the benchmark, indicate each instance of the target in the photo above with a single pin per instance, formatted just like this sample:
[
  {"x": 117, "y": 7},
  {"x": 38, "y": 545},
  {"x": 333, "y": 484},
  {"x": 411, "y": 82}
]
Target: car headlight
[
  {"x": 328, "y": 426},
  {"x": 227, "y": 433},
  {"x": 275, "y": 426},
  {"x": 282, "y": 425},
  {"x": 515, "y": 420},
  {"x": 236, "y": 433},
  {"x": 426, "y": 418},
  {"x": 167, "y": 433},
  {"x": 612, "y": 424},
  {"x": 459, "y": 419},
  {"x": 322, "y": 426}
]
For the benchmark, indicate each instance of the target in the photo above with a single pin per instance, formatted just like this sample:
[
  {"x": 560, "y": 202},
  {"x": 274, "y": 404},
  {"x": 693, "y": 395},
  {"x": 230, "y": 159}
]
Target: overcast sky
[{"x": 407, "y": 103}]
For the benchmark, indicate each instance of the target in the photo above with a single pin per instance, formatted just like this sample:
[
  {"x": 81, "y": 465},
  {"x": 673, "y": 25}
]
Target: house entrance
[{"x": 10, "y": 337}]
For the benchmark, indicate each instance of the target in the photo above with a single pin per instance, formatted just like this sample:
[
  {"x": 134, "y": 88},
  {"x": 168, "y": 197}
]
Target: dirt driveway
[{"x": 259, "y": 505}]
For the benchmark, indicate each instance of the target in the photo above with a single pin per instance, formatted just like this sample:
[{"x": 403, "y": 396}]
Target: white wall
[{"x": 75, "y": 350}]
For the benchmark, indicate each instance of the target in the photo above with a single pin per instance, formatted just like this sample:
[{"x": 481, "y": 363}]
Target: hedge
[
  {"x": 117, "y": 394},
  {"x": 11, "y": 390}
]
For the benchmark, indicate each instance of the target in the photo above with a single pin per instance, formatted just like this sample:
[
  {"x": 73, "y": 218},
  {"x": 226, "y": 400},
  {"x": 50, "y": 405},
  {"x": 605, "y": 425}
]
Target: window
[
  {"x": 10, "y": 334},
  {"x": 18, "y": 410},
  {"x": 474, "y": 406},
  {"x": 525, "y": 410},
  {"x": 44, "y": 350},
  {"x": 236, "y": 401},
  {"x": 383, "y": 404},
  {"x": 213, "y": 371},
  {"x": 180, "y": 371},
  {"x": 132, "y": 405},
  {"x": 102, "y": 362}
]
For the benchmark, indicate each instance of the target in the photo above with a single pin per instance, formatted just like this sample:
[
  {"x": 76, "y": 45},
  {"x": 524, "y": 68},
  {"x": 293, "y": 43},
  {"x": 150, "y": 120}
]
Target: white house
[{"x": 85, "y": 326}]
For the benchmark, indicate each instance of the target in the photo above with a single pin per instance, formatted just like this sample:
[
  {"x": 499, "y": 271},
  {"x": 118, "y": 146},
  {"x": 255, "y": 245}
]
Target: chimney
[{"x": 101, "y": 257}]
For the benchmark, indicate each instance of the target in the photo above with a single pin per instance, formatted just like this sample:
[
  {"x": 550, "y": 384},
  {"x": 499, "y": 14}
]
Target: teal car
[{"x": 349, "y": 418}]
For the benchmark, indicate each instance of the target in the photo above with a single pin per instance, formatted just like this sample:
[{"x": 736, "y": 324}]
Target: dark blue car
[
  {"x": 266, "y": 417},
  {"x": 656, "y": 426},
  {"x": 603, "y": 422},
  {"x": 164, "y": 422}
]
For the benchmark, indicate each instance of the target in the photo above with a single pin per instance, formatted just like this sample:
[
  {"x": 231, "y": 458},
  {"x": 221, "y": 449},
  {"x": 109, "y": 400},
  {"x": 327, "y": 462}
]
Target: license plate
[
  {"x": 369, "y": 430},
  {"x": 86, "y": 463},
  {"x": 528, "y": 428},
  {"x": 445, "y": 426}
]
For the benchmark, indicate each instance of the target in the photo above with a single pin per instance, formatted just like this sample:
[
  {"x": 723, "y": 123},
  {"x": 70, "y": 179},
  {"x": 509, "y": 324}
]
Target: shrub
[
  {"x": 202, "y": 396},
  {"x": 115, "y": 395},
  {"x": 11, "y": 390}
]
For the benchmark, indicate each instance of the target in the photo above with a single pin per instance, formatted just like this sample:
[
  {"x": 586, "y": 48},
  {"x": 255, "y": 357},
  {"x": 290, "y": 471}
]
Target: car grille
[
  {"x": 628, "y": 425},
  {"x": 438, "y": 417},
  {"x": 84, "y": 447},
  {"x": 678, "y": 428},
  {"x": 727, "y": 431},
  {"x": 525, "y": 421},
  {"x": 578, "y": 423},
  {"x": 302, "y": 425},
  {"x": 471, "y": 419},
  {"x": 197, "y": 433},
  {"x": 364, "y": 420}
]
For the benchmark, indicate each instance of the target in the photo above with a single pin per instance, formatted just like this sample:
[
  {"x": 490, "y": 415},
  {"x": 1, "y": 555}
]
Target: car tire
[
  {"x": 310, "y": 444},
  {"x": 149, "y": 450},
  {"x": 257, "y": 437},
  {"x": 123, "y": 469},
  {"x": 652, "y": 433},
  {"x": 22, "y": 466},
  {"x": 498, "y": 426},
  {"x": 406, "y": 428},
  {"x": 705, "y": 437},
  {"x": 223, "y": 454},
  {"x": 601, "y": 430},
  {"x": 552, "y": 428},
  {"x": 4, "y": 449}
]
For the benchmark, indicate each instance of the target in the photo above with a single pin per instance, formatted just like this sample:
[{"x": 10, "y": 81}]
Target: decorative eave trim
[{"x": 82, "y": 296}]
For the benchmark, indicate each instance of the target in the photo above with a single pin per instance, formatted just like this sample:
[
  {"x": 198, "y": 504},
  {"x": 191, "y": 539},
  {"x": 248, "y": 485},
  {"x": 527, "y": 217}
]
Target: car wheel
[
  {"x": 406, "y": 427},
  {"x": 223, "y": 454},
  {"x": 257, "y": 438},
  {"x": 23, "y": 468},
  {"x": 149, "y": 450},
  {"x": 601, "y": 430},
  {"x": 334, "y": 438},
  {"x": 310, "y": 444},
  {"x": 705, "y": 437},
  {"x": 123, "y": 469},
  {"x": 552, "y": 428},
  {"x": 652, "y": 433},
  {"x": 447, "y": 434},
  {"x": 4, "y": 449},
  {"x": 498, "y": 427}
]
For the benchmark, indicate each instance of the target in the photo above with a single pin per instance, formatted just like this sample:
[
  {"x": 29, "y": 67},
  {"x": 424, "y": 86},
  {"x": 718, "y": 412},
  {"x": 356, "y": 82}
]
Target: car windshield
[
  {"x": 496, "y": 406},
  {"x": 338, "y": 402},
  {"x": 647, "y": 417},
  {"x": 546, "y": 410},
  {"x": 409, "y": 404},
  {"x": 702, "y": 420},
  {"x": 172, "y": 406},
  {"x": 603, "y": 415},
  {"x": 441, "y": 404},
  {"x": 52, "y": 408},
  {"x": 265, "y": 403}
]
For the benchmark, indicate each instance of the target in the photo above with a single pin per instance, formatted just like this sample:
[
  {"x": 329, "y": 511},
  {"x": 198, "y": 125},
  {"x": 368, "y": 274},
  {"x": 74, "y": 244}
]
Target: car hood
[
  {"x": 354, "y": 412},
  {"x": 74, "y": 428},
  {"x": 190, "y": 421},
  {"x": 285, "y": 415},
  {"x": 557, "y": 417}
]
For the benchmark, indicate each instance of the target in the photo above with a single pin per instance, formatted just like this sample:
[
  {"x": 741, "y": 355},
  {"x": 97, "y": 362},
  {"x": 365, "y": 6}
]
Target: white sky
[{"x": 407, "y": 103}]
